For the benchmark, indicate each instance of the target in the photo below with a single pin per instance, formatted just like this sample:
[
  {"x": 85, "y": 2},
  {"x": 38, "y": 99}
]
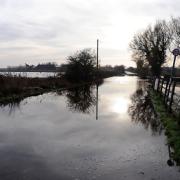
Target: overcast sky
[{"x": 36, "y": 31}]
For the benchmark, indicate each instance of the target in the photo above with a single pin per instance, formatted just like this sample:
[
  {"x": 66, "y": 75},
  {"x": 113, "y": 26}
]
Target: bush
[{"x": 81, "y": 66}]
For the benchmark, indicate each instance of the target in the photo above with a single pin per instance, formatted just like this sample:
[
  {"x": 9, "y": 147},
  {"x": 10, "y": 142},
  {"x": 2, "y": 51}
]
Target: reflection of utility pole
[
  {"x": 97, "y": 54},
  {"x": 97, "y": 86},
  {"x": 97, "y": 94}
]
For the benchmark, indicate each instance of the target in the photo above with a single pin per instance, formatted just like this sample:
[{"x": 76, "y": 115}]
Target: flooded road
[{"x": 72, "y": 136}]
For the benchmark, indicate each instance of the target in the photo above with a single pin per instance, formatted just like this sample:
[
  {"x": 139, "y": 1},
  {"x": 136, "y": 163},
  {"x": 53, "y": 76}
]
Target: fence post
[
  {"x": 168, "y": 91},
  {"x": 162, "y": 86},
  {"x": 159, "y": 81},
  {"x": 172, "y": 95},
  {"x": 156, "y": 84},
  {"x": 167, "y": 83}
]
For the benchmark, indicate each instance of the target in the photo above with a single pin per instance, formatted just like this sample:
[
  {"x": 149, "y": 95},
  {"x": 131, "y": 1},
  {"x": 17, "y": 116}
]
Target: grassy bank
[
  {"x": 14, "y": 89},
  {"x": 171, "y": 124}
]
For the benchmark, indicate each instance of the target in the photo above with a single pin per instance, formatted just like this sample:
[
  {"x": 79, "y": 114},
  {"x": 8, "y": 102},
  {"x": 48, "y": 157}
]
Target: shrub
[{"x": 81, "y": 66}]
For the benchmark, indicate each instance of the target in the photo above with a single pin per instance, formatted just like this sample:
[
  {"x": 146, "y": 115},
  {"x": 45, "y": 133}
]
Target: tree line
[
  {"x": 82, "y": 66},
  {"x": 151, "y": 46},
  {"x": 43, "y": 67}
]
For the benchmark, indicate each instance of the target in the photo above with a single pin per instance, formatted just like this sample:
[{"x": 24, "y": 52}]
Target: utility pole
[{"x": 97, "y": 54}]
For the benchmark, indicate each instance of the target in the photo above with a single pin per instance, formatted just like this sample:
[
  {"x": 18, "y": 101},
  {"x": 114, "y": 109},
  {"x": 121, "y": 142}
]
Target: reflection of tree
[
  {"x": 12, "y": 107},
  {"x": 142, "y": 111},
  {"x": 81, "y": 99}
]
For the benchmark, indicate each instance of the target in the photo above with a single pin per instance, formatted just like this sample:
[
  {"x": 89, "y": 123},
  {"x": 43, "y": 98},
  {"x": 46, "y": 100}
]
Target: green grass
[{"x": 171, "y": 124}]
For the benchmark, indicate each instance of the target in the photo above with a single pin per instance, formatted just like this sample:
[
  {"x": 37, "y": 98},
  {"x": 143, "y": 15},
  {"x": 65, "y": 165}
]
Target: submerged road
[{"x": 71, "y": 136}]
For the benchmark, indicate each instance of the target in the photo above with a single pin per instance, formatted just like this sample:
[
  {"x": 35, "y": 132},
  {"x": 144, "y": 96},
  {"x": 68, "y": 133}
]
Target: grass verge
[{"x": 171, "y": 124}]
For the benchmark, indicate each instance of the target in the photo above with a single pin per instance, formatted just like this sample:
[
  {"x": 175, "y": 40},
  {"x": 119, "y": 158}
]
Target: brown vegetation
[
  {"x": 13, "y": 87},
  {"x": 16, "y": 88}
]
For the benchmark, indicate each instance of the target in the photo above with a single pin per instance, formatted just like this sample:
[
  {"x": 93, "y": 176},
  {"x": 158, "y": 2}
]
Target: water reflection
[
  {"x": 120, "y": 105},
  {"x": 170, "y": 161},
  {"x": 12, "y": 107},
  {"x": 81, "y": 99},
  {"x": 97, "y": 100},
  {"x": 142, "y": 111},
  {"x": 45, "y": 141}
]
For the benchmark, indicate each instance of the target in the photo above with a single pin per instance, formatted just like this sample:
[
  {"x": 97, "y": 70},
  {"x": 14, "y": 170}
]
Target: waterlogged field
[
  {"x": 103, "y": 132},
  {"x": 30, "y": 74}
]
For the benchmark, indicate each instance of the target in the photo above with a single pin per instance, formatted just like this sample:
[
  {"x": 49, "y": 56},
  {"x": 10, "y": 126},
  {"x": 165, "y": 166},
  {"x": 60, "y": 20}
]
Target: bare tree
[
  {"x": 175, "y": 30},
  {"x": 151, "y": 45}
]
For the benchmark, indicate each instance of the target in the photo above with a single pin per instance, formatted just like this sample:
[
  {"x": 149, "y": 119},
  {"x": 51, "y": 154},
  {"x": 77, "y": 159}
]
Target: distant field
[{"x": 30, "y": 74}]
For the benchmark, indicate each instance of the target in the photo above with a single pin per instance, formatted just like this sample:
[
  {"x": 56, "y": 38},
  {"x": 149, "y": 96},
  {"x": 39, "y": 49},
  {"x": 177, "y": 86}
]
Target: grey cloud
[
  {"x": 63, "y": 26},
  {"x": 8, "y": 32},
  {"x": 156, "y": 9},
  {"x": 80, "y": 21},
  {"x": 11, "y": 32},
  {"x": 2, "y": 2},
  {"x": 16, "y": 48},
  {"x": 17, "y": 3}
]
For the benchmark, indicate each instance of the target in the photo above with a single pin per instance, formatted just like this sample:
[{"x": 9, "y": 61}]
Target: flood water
[{"x": 71, "y": 136}]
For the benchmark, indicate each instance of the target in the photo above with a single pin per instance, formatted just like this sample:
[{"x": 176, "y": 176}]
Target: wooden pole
[
  {"x": 97, "y": 54},
  {"x": 172, "y": 94},
  {"x": 165, "y": 93},
  {"x": 168, "y": 91},
  {"x": 173, "y": 67},
  {"x": 162, "y": 84}
]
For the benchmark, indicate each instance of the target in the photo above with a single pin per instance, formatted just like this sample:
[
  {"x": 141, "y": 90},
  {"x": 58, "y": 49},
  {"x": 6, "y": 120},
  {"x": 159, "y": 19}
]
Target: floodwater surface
[{"x": 103, "y": 132}]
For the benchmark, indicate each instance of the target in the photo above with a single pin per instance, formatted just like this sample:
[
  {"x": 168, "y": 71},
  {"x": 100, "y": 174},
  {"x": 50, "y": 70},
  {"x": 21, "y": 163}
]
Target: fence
[{"x": 169, "y": 88}]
